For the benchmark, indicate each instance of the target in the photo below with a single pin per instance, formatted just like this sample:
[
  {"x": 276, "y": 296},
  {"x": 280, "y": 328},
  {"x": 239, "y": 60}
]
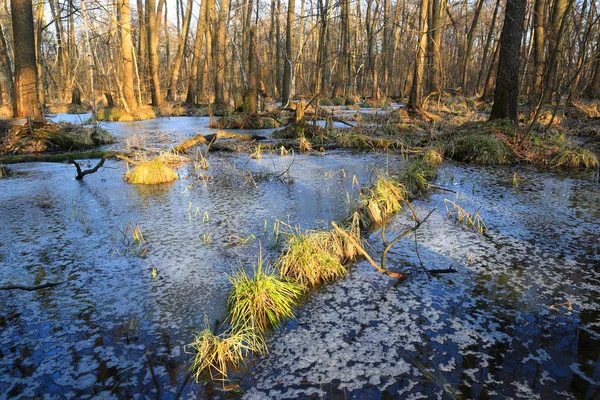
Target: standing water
[{"x": 519, "y": 319}]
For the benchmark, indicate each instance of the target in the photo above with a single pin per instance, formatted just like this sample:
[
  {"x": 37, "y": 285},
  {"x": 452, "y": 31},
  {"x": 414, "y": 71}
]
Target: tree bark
[
  {"x": 26, "y": 101},
  {"x": 435, "y": 39},
  {"x": 506, "y": 96},
  {"x": 415, "y": 99},
  {"x": 287, "y": 89},
  {"x": 173, "y": 79},
  {"x": 127, "y": 50},
  {"x": 152, "y": 38},
  {"x": 220, "y": 51}
]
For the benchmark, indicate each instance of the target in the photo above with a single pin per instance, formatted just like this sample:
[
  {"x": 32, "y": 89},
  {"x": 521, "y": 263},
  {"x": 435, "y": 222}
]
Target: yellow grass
[{"x": 153, "y": 172}]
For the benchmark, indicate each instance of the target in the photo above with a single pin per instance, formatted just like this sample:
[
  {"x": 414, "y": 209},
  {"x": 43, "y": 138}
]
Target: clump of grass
[
  {"x": 414, "y": 177},
  {"x": 257, "y": 153},
  {"x": 380, "y": 201},
  {"x": 354, "y": 141},
  {"x": 153, "y": 172},
  {"x": 433, "y": 157},
  {"x": 574, "y": 158},
  {"x": 261, "y": 301},
  {"x": 304, "y": 144},
  {"x": 326, "y": 102},
  {"x": 480, "y": 149},
  {"x": 339, "y": 101},
  {"x": 307, "y": 260},
  {"x": 215, "y": 355},
  {"x": 3, "y": 172}
]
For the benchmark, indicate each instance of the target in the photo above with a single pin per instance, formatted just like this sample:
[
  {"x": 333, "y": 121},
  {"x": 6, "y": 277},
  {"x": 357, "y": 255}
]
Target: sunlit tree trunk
[
  {"x": 415, "y": 100},
  {"x": 220, "y": 52},
  {"x": 39, "y": 15},
  {"x": 173, "y": 80},
  {"x": 192, "y": 93},
  {"x": 287, "y": 90},
  {"x": 151, "y": 28},
  {"x": 26, "y": 101},
  {"x": 436, "y": 41},
  {"x": 124, "y": 11},
  {"x": 6, "y": 64}
]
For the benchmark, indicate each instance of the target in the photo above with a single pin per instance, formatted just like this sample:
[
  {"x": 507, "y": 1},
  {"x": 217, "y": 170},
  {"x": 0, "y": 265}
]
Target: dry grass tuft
[
  {"x": 304, "y": 144},
  {"x": 153, "y": 172},
  {"x": 574, "y": 158},
  {"x": 461, "y": 216},
  {"x": 308, "y": 261},
  {"x": 380, "y": 201},
  {"x": 215, "y": 355},
  {"x": 434, "y": 157}
]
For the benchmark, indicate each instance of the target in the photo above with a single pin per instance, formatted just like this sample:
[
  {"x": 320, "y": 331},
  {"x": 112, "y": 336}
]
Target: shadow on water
[{"x": 500, "y": 327}]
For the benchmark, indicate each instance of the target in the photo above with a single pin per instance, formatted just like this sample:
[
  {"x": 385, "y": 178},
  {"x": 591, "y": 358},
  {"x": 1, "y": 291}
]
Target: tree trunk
[
  {"x": 415, "y": 100},
  {"x": 251, "y": 98},
  {"x": 539, "y": 38},
  {"x": 172, "y": 92},
  {"x": 39, "y": 16},
  {"x": 436, "y": 38},
  {"x": 469, "y": 48},
  {"x": 486, "y": 49},
  {"x": 559, "y": 12},
  {"x": 506, "y": 95},
  {"x": 6, "y": 63},
  {"x": 124, "y": 9},
  {"x": 152, "y": 34},
  {"x": 26, "y": 102},
  {"x": 220, "y": 51},
  {"x": 192, "y": 93},
  {"x": 287, "y": 89},
  {"x": 490, "y": 81}
]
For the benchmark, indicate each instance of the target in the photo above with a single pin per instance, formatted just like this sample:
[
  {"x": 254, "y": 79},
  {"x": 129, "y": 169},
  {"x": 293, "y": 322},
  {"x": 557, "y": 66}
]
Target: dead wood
[
  {"x": 205, "y": 139},
  {"x": 81, "y": 174},
  {"x": 31, "y": 288}
]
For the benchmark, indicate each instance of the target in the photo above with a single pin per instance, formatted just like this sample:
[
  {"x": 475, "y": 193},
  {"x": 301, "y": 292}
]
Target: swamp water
[{"x": 494, "y": 329}]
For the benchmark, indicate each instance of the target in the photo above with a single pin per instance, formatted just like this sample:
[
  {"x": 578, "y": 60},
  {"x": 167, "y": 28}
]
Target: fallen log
[
  {"x": 31, "y": 288},
  {"x": 60, "y": 157},
  {"x": 442, "y": 271},
  {"x": 207, "y": 139}
]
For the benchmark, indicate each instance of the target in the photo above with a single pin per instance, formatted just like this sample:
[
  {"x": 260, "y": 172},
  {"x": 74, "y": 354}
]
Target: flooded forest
[{"x": 299, "y": 199}]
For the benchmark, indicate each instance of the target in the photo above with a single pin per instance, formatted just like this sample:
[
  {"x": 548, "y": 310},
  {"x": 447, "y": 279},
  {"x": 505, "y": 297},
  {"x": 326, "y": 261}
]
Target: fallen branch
[
  {"x": 31, "y": 288},
  {"x": 61, "y": 157},
  {"x": 442, "y": 271},
  {"x": 203, "y": 139},
  {"x": 404, "y": 234},
  {"x": 81, "y": 174}
]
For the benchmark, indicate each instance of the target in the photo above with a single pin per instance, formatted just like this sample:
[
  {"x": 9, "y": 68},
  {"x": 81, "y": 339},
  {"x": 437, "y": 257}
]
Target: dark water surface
[{"x": 496, "y": 329}]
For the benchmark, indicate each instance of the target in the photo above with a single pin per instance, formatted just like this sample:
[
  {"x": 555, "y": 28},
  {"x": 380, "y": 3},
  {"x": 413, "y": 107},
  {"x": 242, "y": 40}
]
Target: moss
[{"x": 243, "y": 121}]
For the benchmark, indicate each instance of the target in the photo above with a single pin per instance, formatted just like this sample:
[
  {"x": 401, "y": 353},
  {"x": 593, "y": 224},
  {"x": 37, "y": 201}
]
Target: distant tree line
[{"x": 223, "y": 51}]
